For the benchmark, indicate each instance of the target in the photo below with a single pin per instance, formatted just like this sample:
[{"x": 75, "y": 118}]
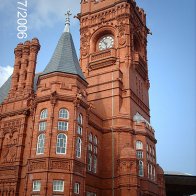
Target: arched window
[
  {"x": 90, "y": 137},
  {"x": 141, "y": 168},
  {"x": 80, "y": 122},
  {"x": 80, "y": 119},
  {"x": 61, "y": 144},
  {"x": 139, "y": 145},
  {"x": 78, "y": 147},
  {"x": 92, "y": 155},
  {"x": 40, "y": 144},
  {"x": 95, "y": 164},
  {"x": 95, "y": 140},
  {"x": 63, "y": 113},
  {"x": 89, "y": 162},
  {"x": 44, "y": 114},
  {"x": 43, "y": 117}
]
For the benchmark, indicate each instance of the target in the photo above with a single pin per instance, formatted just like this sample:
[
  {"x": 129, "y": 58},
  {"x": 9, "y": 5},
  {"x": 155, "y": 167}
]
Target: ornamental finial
[{"x": 67, "y": 21}]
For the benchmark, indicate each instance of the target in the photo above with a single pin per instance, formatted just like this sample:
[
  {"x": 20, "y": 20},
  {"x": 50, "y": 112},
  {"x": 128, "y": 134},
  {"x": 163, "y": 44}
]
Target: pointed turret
[{"x": 65, "y": 58}]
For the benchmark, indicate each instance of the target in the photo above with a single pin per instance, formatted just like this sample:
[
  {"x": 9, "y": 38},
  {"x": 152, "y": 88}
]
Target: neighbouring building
[{"x": 82, "y": 128}]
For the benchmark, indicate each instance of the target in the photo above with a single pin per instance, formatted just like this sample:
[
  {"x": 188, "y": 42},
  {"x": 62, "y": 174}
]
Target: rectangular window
[
  {"x": 95, "y": 149},
  {"x": 89, "y": 162},
  {"x": 90, "y": 147},
  {"x": 42, "y": 126},
  {"x": 61, "y": 144},
  {"x": 36, "y": 185},
  {"x": 139, "y": 154},
  {"x": 58, "y": 185},
  {"x": 40, "y": 144},
  {"x": 77, "y": 188},
  {"x": 79, "y": 131},
  {"x": 95, "y": 164},
  {"x": 62, "y": 125}
]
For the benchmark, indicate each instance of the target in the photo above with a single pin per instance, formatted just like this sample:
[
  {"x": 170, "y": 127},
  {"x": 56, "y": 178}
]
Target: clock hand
[{"x": 105, "y": 43}]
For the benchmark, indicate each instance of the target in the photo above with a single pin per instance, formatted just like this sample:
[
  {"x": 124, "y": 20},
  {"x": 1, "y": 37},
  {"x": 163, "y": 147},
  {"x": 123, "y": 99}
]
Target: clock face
[{"x": 106, "y": 42}]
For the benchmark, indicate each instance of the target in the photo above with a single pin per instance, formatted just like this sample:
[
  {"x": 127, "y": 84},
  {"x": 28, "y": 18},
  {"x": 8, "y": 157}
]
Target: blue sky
[{"x": 171, "y": 57}]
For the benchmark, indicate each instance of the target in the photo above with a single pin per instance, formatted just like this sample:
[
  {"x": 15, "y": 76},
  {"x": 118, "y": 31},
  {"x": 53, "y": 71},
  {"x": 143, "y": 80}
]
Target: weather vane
[
  {"x": 67, "y": 21},
  {"x": 68, "y": 14}
]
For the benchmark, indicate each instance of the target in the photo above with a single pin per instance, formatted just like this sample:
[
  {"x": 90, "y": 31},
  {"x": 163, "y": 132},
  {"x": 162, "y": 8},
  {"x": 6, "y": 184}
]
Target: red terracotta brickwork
[{"x": 68, "y": 136}]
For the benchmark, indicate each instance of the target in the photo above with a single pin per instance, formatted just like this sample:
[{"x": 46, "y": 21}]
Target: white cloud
[
  {"x": 5, "y": 73},
  {"x": 48, "y": 12}
]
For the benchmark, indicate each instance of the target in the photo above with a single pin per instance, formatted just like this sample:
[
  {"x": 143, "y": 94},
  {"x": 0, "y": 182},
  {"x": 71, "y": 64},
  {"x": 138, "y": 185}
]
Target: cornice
[
  {"x": 41, "y": 77},
  {"x": 102, "y": 9},
  {"x": 24, "y": 111}
]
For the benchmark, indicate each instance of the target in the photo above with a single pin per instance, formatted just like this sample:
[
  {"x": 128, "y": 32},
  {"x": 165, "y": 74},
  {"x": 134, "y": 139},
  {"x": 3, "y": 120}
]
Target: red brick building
[{"x": 82, "y": 129}]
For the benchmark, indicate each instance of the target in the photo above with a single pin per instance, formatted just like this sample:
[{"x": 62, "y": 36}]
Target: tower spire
[{"x": 67, "y": 21}]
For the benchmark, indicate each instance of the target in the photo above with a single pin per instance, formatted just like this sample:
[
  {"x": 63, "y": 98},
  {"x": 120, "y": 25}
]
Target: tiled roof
[
  {"x": 64, "y": 58},
  {"x": 4, "y": 90}
]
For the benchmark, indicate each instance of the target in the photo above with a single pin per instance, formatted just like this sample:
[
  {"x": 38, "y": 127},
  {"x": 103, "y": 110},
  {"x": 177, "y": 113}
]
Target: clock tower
[
  {"x": 113, "y": 58},
  {"x": 113, "y": 53}
]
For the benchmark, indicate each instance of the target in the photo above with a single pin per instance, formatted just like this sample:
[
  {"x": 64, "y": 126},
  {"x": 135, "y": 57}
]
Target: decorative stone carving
[
  {"x": 85, "y": 37},
  {"x": 7, "y": 172},
  {"x": 122, "y": 35},
  {"x": 10, "y": 134},
  {"x": 53, "y": 97},
  {"x": 58, "y": 164},
  {"x": 37, "y": 165}
]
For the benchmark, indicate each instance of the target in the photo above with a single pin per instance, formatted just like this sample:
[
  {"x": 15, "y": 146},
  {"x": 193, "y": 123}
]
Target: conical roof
[{"x": 64, "y": 58}]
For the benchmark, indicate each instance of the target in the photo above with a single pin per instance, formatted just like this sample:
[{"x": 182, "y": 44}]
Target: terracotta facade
[{"x": 61, "y": 134}]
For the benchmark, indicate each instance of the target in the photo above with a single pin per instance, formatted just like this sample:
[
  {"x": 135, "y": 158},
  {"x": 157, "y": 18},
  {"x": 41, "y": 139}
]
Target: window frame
[
  {"x": 79, "y": 130},
  {"x": 53, "y": 185},
  {"x": 42, "y": 126},
  {"x": 90, "y": 158},
  {"x": 77, "y": 188},
  {"x": 90, "y": 137},
  {"x": 94, "y": 164},
  {"x": 38, "y": 142},
  {"x": 141, "y": 168},
  {"x": 139, "y": 154},
  {"x": 63, "y": 111},
  {"x": 80, "y": 119},
  {"x": 90, "y": 147},
  {"x": 43, "y": 114},
  {"x": 39, "y": 186},
  {"x": 78, "y": 148},
  {"x": 95, "y": 140},
  {"x": 61, "y": 125},
  {"x": 59, "y": 142},
  {"x": 139, "y": 145}
]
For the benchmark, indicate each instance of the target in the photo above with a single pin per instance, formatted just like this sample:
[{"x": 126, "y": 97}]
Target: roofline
[{"x": 62, "y": 73}]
